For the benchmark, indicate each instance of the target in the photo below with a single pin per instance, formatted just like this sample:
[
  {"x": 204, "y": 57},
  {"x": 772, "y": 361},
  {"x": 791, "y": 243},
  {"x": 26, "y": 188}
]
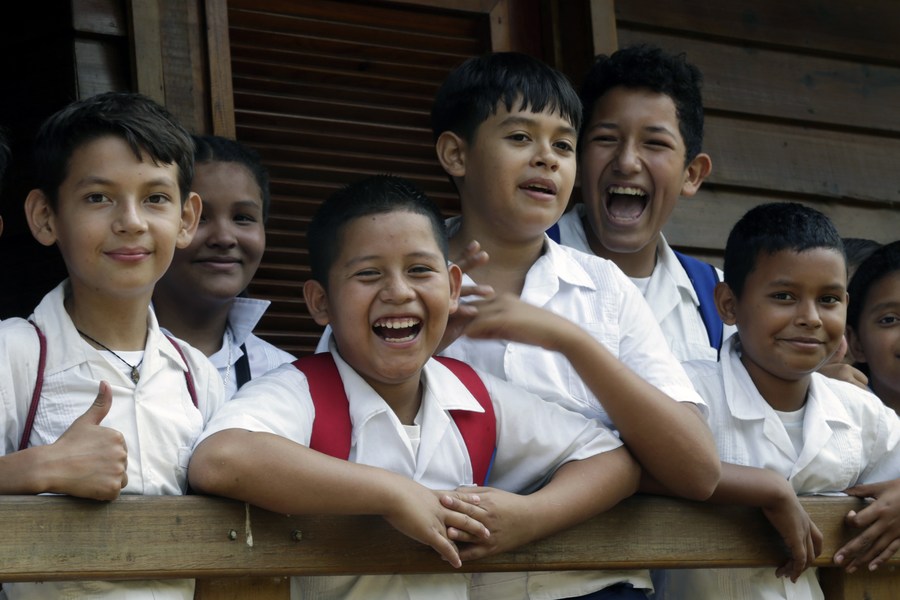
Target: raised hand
[{"x": 88, "y": 460}]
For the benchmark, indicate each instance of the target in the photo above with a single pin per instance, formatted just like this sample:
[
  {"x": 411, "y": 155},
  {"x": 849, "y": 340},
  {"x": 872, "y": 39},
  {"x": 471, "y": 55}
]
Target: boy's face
[
  {"x": 117, "y": 221},
  {"x": 633, "y": 170},
  {"x": 230, "y": 240},
  {"x": 390, "y": 292},
  {"x": 877, "y": 341},
  {"x": 791, "y": 315},
  {"x": 516, "y": 175}
]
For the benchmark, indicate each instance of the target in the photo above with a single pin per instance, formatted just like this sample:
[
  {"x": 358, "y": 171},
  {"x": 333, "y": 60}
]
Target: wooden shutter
[{"x": 329, "y": 92}]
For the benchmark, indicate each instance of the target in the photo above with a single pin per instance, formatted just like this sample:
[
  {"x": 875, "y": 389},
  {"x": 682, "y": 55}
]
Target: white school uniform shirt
[
  {"x": 670, "y": 294},
  {"x": 156, "y": 416},
  {"x": 849, "y": 437},
  {"x": 594, "y": 293},
  {"x": 534, "y": 438},
  {"x": 245, "y": 313}
]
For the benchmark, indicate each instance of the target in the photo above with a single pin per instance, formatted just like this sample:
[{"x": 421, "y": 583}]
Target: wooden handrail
[{"x": 138, "y": 537}]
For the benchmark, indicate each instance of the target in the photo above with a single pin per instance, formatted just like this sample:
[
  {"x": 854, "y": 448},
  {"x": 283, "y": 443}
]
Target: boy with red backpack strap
[
  {"x": 381, "y": 279},
  {"x": 113, "y": 175}
]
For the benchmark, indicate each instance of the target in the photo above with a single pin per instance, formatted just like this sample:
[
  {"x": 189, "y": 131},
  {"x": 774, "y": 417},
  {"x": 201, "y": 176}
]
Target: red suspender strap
[
  {"x": 332, "y": 431},
  {"x": 38, "y": 386},
  {"x": 39, "y": 383},
  {"x": 478, "y": 430},
  {"x": 188, "y": 378}
]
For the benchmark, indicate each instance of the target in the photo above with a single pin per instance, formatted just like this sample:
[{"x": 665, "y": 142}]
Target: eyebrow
[
  {"x": 96, "y": 180},
  {"x": 414, "y": 255},
  {"x": 520, "y": 120},
  {"x": 649, "y": 129},
  {"x": 889, "y": 304},
  {"x": 778, "y": 283}
]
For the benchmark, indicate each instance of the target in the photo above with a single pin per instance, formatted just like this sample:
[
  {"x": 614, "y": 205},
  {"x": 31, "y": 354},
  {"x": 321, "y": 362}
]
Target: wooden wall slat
[
  {"x": 866, "y": 29},
  {"x": 101, "y": 65},
  {"x": 785, "y": 85}
]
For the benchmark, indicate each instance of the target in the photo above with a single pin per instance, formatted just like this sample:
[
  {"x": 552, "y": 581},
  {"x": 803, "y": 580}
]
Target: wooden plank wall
[{"x": 801, "y": 100}]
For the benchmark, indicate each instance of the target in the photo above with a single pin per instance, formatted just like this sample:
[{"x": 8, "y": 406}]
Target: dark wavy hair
[
  {"x": 649, "y": 67},
  {"x": 475, "y": 89},
  {"x": 142, "y": 123},
  {"x": 214, "y": 148}
]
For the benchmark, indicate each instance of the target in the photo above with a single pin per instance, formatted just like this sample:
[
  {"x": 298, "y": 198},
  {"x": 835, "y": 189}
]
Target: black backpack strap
[
  {"x": 242, "y": 368},
  {"x": 38, "y": 386}
]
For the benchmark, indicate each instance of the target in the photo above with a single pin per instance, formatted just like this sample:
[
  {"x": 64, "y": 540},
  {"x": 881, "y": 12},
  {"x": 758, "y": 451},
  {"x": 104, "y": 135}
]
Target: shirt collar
[
  {"x": 243, "y": 316},
  {"x": 667, "y": 261}
]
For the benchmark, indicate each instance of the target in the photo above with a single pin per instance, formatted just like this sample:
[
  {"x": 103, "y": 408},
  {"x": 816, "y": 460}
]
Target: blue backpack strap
[
  {"x": 38, "y": 386},
  {"x": 332, "y": 429},
  {"x": 553, "y": 232},
  {"x": 478, "y": 430},
  {"x": 704, "y": 278}
]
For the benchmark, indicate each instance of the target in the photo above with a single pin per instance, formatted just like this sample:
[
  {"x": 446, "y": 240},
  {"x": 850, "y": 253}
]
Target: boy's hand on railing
[
  {"x": 800, "y": 534},
  {"x": 880, "y": 522},
  {"x": 504, "y": 514},
  {"x": 88, "y": 460}
]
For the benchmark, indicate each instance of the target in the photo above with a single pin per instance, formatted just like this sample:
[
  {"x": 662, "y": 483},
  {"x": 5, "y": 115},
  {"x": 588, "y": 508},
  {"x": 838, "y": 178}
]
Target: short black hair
[
  {"x": 858, "y": 250},
  {"x": 881, "y": 263},
  {"x": 474, "y": 90},
  {"x": 373, "y": 195},
  {"x": 142, "y": 123},
  {"x": 645, "y": 66},
  {"x": 770, "y": 228},
  {"x": 214, "y": 148}
]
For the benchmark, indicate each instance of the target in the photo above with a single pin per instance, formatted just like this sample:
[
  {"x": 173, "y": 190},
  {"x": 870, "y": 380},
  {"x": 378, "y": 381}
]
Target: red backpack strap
[
  {"x": 188, "y": 378},
  {"x": 38, "y": 386},
  {"x": 478, "y": 430},
  {"x": 332, "y": 430}
]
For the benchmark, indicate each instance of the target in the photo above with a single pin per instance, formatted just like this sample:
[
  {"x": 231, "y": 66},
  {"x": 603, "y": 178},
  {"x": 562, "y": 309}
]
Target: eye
[
  {"x": 245, "y": 219},
  {"x": 888, "y": 320},
  {"x": 660, "y": 144},
  {"x": 604, "y": 139},
  {"x": 366, "y": 274},
  {"x": 421, "y": 270},
  {"x": 157, "y": 199},
  {"x": 96, "y": 198},
  {"x": 518, "y": 137},
  {"x": 565, "y": 146},
  {"x": 783, "y": 296},
  {"x": 830, "y": 299}
]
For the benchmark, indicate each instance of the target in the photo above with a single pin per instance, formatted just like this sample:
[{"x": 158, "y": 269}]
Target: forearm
[
  {"x": 751, "y": 486},
  {"x": 581, "y": 489},
  {"x": 669, "y": 439},
  {"x": 279, "y": 475},
  {"x": 21, "y": 472}
]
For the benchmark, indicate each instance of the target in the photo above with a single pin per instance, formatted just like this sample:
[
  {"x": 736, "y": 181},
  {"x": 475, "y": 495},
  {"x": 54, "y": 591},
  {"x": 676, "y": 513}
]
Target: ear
[
  {"x": 697, "y": 170},
  {"x": 316, "y": 301},
  {"x": 451, "y": 153},
  {"x": 455, "y": 274},
  {"x": 726, "y": 303},
  {"x": 854, "y": 345},
  {"x": 40, "y": 217},
  {"x": 190, "y": 219}
]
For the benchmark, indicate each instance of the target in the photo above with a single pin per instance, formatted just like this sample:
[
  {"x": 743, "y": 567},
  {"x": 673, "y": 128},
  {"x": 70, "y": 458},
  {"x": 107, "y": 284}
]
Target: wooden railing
[{"x": 239, "y": 551}]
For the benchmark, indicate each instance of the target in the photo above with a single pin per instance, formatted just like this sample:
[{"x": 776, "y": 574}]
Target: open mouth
[
  {"x": 540, "y": 186},
  {"x": 625, "y": 203},
  {"x": 397, "y": 330}
]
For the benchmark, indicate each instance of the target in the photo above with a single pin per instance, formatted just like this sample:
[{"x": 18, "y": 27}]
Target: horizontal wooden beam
[{"x": 59, "y": 538}]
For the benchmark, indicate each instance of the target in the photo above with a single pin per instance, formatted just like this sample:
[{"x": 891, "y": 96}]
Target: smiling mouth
[
  {"x": 397, "y": 330},
  {"x": 625, "y": 203}
]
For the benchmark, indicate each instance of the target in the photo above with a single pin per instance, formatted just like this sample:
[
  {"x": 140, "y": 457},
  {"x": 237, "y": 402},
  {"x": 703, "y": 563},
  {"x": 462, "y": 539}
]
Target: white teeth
[
  {"x": 396, "y": 323},
  {"x": 627, "y": 191}
]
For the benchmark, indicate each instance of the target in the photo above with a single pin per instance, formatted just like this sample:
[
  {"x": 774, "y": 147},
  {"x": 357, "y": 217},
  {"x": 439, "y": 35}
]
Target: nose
[
  {"x": 130, "y": 218},
  {"x": 545, "y": 157},
  {"x": 627, "y": 160},
  {"x": 396, "y": 290},
  {"x": 220, "y": 233},
  {"x": 808, "y": 314}
]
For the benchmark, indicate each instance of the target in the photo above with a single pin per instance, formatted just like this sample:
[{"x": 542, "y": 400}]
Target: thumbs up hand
[{"x": 88, "y": 460}]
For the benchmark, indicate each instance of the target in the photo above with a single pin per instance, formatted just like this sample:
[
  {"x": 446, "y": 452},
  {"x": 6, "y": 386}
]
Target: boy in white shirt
[
  {"x": 114, "y": 174},
  {"x": 781, "y": 428},
  {"x": 381, "y": 280},
  {"x": 201, "y": 298},
  {"x": 506, "y": 127}
]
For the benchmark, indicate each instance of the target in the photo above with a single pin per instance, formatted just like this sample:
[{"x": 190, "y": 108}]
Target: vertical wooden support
[
  {"x": 221, "y": 90},
  {"x": 883, "y": 584},
  {"x": 144, "y": 23},
  {"x": 603, "y": 24}
]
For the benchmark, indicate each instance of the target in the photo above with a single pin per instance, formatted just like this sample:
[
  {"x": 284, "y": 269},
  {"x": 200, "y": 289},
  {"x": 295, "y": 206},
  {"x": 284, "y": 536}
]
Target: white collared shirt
[
  {"x": 534, "y": 438},
  {"x": 156, "y": 416},
  {"x": 245, "y": 313},
  {"x": 670, "y": 294},
  {"x": 849, "y": 437},
  {"x": 594, "y": 293}
]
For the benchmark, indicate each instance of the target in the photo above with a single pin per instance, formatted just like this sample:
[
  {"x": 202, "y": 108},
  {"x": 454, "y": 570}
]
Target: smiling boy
[
  {"x": 381, "y": 280},
  {"x": 114, "y": 176},
  {"x": 782, "y": 428}
]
